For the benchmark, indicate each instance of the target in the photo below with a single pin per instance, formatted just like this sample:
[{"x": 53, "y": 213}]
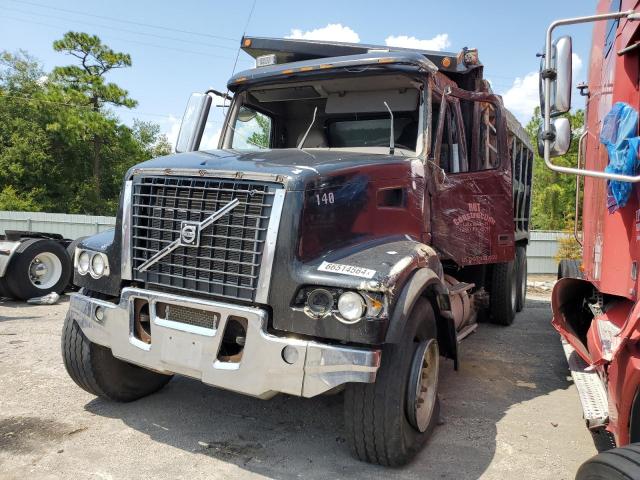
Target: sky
[{"x": 182, "y": 47}]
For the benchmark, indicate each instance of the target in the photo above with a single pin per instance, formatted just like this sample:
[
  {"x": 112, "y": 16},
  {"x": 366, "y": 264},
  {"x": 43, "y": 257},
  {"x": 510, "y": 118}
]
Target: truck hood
[{"x": 297, "y": 169}]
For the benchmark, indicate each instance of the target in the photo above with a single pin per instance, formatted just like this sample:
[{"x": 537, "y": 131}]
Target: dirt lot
[{"x": 510, "y": 412}]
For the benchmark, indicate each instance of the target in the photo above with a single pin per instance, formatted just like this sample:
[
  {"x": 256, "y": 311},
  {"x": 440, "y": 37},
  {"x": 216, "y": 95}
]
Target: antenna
[
  {"x": 301, "y": 144},
  {"x": 391, "y": 143}
]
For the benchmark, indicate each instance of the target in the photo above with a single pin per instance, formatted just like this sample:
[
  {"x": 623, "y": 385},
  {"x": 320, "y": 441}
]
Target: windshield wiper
[
  {"x": 391, "y": 142},
  {"x": 301, "y": 144}
]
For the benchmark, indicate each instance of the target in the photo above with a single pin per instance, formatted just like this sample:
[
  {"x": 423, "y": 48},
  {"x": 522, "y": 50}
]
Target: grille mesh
[
  {"x": 227, "y": 261},
  {"x": 191, "y": 316}
]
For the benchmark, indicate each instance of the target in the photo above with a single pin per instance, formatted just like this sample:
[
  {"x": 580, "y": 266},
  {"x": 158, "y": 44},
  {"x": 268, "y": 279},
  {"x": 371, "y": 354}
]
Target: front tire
[
  {"x": 618, "y": 464},
  {"x": 94, "y": 368},
  {"x": 380, "y": 424}
]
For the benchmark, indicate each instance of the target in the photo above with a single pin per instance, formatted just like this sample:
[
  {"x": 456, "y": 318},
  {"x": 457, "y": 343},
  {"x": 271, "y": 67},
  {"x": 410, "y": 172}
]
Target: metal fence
[
  {"x": 540, "y": 253},
  {"x": 69, "y": 226}
]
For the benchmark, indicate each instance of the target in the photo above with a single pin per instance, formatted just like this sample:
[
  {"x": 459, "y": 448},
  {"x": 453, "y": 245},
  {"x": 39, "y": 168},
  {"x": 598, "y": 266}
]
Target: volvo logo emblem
[{"x": 189, "y": 234}]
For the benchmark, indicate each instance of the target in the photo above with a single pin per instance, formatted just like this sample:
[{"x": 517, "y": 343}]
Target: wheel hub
[
  {"x": 423, "y": 384},
  {"x": 45, "y": 270}
]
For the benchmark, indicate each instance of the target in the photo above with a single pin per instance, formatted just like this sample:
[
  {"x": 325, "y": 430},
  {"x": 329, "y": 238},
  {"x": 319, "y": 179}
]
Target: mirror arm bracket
[
  {"x": 548, "y": 135},
  {"x": 550, "y": 73}
]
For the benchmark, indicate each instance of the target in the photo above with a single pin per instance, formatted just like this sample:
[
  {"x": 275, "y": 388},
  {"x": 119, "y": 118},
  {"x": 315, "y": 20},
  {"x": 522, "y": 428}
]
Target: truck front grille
[{"x": 227, "y": 261}]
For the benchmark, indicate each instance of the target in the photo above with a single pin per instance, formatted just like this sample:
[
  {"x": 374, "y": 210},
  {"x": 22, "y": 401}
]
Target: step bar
[{"x": 591, "y": 390}]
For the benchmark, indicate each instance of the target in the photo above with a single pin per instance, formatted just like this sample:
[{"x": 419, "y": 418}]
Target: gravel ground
[{"x": 509, "y": 412}]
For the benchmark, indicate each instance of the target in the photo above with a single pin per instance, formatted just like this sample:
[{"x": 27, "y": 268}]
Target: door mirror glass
[
  {"x": 561, "y": 128},
  {"x": 246, "y": 114},
  {"x": 559, "y": 94},
  {"x": 193, "y": 122}
]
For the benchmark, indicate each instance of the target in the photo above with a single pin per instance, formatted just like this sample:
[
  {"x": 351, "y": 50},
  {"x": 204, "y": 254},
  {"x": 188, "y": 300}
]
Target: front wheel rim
[
  {"x": 45, "y": 270},
  {"x": 423, "y": 386}
]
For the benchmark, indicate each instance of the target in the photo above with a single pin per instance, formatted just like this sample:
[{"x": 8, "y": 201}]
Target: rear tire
[
  {"x": 521, "y": 272},
  {"x": 95, "y": 369},
  {"x": 618, "y": 464},
  {"x": 504, "y": 294},
  {"x": 569, "y": 269},
  {"x": 379, "y": 426},
  {"x": 38, "y": 267}
]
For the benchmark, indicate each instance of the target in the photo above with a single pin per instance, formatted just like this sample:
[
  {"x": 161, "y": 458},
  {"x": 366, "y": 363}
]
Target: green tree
[
  {"x": 554, "y": 194},
  {"x": 86, "y": 83},
  {"x": 49, "y": 123},
  {"x": 260, "y": 137}
]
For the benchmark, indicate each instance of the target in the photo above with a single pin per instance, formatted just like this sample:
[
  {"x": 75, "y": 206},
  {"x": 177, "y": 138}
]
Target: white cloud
[
  {"x": 523, "y": 96},
  {"x": 437, "y": 43},
  {"x": 576, "y": 65},
  {"x": 171, "y": 127},
  {"x": 333, "y": 31}
]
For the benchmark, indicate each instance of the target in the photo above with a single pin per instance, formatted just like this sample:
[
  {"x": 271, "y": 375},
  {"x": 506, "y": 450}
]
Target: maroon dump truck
[{"x": 365, "y": 207}]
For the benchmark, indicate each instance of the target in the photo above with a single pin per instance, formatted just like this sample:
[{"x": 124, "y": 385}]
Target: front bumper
[{"x": 193, "y": 351}]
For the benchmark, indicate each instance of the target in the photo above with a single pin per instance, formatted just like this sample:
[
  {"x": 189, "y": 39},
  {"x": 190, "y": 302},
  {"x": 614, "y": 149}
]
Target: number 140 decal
[{"x": 325, "y": 199}]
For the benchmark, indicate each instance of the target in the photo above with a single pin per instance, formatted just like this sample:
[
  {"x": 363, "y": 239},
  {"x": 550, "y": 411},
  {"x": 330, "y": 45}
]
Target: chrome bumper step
[{"x": 592, "y": 392}]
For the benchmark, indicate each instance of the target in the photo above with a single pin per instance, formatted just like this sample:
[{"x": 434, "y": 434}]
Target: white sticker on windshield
[{"x": 346, "y": 270}]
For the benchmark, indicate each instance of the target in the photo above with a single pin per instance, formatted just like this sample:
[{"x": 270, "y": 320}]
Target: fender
[
  {"x": 382, "y": 267},
  {"x": 424, "y": 282}
]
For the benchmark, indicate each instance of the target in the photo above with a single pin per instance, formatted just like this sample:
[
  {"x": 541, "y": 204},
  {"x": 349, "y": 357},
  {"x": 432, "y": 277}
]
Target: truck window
[
  {"x": 452, "y": 154},
  {"x": 488, "y": 151},
  {"x": 252, "y": 130},
  {"x": 373, "y": 132}
]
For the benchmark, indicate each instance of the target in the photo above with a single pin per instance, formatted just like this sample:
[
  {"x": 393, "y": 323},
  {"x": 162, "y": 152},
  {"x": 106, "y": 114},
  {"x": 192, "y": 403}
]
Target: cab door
[{"x": 470, "y": 179}]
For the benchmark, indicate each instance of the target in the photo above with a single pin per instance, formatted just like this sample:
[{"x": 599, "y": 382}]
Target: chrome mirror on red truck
[
  {"x": 559, "y": 73},
  {"x": 561, "y": 132},
  {"x": 555, "y": 96}
]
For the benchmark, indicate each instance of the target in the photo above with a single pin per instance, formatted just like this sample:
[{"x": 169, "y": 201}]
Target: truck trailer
[{"x": 365, "y": 208}]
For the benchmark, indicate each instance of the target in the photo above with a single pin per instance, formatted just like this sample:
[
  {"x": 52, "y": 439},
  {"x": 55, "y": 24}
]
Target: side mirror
[
  {"x": 561, "y": 131},
  {"x": 559, "y": 95},
  {"x": 246, "y": 114},
  {"x": 193, "y": 122}
]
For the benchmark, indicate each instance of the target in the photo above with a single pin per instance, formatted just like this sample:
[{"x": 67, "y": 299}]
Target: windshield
[{"x": 350, "y": 113}]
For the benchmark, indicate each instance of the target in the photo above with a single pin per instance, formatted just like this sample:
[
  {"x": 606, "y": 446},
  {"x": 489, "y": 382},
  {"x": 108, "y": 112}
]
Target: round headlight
[
  {"x": 320, "y": 301},
  {"x": 97, "y": 265},
  {"x": 351, "y": 306},
  {"x": 83, "y": 263}
]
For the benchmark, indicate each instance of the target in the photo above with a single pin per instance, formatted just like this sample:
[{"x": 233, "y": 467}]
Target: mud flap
[
  {"x": 566, "y": 303},
  {"x": 447, "y": 335}
]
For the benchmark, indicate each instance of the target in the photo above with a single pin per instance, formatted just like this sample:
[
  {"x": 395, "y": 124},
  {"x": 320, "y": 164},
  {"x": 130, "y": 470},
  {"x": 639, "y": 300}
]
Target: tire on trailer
[
  {"x": 4, "y": 288},
  {"x": 504, "y": 293},
  {"x": 568, "y": 268},
  {"x": 521, "y": 272},
  {"x": 39, "y": 266},
  {"x": 618, "y": 464},
  {"x": 389, "y": 421},
  {"x": 94, "y": 369}
]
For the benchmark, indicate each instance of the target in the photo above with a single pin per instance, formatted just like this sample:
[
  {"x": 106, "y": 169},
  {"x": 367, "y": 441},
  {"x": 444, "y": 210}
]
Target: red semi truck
[{"x": 595, "y": 303}]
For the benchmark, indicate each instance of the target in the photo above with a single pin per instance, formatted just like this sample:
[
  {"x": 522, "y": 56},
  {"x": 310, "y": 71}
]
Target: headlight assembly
[
  {"x": 94, "y": 263},
  {"x": 351, "y": 306},
  {"x": 84, "y": 262}
]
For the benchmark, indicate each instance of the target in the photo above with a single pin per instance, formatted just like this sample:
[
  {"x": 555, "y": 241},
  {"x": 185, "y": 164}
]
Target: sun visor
[{"x": 370, "y": 102}]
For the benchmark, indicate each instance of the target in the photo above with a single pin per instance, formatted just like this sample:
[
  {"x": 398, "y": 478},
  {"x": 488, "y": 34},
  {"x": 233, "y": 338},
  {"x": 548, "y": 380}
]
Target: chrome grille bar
[{"x": 230, "y": 255}]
